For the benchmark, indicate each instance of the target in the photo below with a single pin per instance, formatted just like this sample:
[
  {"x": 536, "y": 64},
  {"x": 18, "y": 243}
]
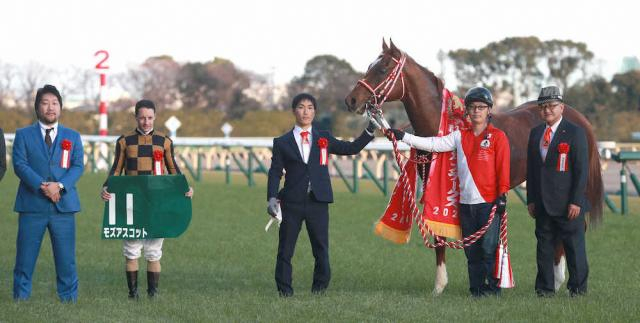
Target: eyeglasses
[
  {"x": 548, "y": 106},
  {"x": 477, "y": 107}
]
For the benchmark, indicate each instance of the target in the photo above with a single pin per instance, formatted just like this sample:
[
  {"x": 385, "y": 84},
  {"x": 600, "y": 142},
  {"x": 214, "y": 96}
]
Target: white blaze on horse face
[{"x": 374, "y": 63}]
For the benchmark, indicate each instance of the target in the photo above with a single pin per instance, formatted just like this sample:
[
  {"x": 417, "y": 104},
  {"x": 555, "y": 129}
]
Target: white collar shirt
[
  {"x": 304, "y": 149},
  {"x": 52, "y": 134},
  {"x": 543, "y": 149}
]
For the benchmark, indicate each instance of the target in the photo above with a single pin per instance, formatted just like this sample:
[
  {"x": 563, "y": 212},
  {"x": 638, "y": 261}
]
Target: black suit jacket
[
  {"x": 286, "y": 156},
  {"x": 553, "y": 189}
]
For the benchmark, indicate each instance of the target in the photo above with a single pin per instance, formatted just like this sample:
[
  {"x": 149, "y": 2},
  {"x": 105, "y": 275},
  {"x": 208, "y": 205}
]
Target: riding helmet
[{"x": 478, "y": 94}]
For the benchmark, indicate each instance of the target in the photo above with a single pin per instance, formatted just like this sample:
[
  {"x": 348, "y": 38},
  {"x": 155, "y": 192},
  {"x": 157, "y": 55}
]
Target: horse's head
[{"x": 382, "y": 82}]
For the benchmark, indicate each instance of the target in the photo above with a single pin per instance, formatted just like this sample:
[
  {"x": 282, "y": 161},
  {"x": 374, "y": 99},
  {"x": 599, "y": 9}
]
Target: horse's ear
[
  {"x": 384, "y": 45},
  {"x": 394, "y": 49}
]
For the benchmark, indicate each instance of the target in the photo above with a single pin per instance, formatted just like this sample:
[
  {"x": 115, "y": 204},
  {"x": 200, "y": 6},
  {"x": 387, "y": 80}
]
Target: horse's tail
[{"x": 595, "y": 188}]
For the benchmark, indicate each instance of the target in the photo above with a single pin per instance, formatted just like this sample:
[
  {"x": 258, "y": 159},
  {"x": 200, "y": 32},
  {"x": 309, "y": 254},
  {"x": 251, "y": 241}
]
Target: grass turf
[{"x": 222, "y": 268}]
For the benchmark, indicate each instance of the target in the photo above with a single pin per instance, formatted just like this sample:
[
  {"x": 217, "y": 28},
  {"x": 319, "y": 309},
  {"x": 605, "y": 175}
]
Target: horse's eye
[{"x": 382, "y": 70}]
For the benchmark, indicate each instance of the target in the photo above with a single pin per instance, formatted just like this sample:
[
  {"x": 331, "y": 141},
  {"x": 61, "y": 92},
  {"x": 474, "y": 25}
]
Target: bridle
[{"x": 380, "y": 93}]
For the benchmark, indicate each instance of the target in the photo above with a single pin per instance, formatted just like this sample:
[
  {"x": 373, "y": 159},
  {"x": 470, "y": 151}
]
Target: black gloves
[
  {"x": 272, "y": 207},
  {"x": 371, "y": 128},
  {"x": 398, "y": 133},
  {"x": 501, "y": 204}
]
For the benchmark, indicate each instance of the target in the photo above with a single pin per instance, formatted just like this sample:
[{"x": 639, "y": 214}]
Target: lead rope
[
  {"x": 424, "y": 228},
  {"x": 374, "y": 111}
]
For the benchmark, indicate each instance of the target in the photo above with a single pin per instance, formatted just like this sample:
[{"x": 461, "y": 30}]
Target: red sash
[
  {"x": 442, "y": 193},
  {"x": 395, "y": 224}
]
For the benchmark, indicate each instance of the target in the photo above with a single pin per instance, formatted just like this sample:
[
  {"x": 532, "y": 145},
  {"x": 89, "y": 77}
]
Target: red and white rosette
[
  {"x": 157, "y": 162},
  {"x": 65, "y": 160},
  {"x": 324, "y": 154},
  {"x": 563, "y": 157}
]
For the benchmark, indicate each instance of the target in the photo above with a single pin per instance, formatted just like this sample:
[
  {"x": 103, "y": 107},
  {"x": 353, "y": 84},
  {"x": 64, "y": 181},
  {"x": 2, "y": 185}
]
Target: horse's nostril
[{"x": 353, "y": 101}]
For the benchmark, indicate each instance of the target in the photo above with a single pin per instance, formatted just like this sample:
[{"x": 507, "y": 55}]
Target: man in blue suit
[
  {"x": 303, "y": 153},
  {"x": 48, "y": 159}
]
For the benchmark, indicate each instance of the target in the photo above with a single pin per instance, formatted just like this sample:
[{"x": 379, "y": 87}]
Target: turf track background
[{"x": 222, "y": 268}]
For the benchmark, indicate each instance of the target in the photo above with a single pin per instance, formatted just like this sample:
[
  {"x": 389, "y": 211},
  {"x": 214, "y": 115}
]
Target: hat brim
[{"x": 549, "y": 99}]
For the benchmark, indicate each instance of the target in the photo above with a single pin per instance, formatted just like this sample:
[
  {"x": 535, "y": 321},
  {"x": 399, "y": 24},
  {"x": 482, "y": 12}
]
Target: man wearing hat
[
  {"x": 483, "y": 157},
  {"x": 48, "y": 160},
  {"x": 557, "y": 165}
]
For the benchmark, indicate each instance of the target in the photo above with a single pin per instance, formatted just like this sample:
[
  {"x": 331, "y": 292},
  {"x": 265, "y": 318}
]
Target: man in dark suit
[
  {"x": 557, "y": 165},
  {"x": 303, "y": 153},
  {"x": 48, "y": 160}
]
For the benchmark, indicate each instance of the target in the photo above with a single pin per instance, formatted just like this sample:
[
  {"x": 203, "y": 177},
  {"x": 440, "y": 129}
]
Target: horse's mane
[{"x": 439, "y": 82}]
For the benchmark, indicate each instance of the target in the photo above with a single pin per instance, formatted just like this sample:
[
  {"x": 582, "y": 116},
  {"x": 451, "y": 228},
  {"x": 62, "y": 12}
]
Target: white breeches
[{"x": 152, "y": 249}]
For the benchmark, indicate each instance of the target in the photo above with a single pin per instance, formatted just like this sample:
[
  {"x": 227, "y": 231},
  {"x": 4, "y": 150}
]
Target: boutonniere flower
[
  {"x": 563, "y": 158},
  {"x": 65, "y": 160},
  {"x": 563, "y": 148},
  {"x": 323, "y": 143},
  {"x": 66, "y": 144},
  {"x": 157, "y": 162}
]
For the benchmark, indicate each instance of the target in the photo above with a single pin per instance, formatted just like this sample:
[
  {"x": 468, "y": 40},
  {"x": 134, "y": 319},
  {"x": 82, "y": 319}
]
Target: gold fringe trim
[
  {"x": 391, "y": 234},
  {"x": 445, "y": 229}
]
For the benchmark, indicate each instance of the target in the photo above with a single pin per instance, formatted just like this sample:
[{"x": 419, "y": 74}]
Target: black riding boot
[
  {"x": 152, "y": 283},
  {"x": 132, "y": 283}
]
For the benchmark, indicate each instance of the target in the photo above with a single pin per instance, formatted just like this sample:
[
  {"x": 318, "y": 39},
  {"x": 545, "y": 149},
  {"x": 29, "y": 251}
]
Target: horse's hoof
[
  {"x": 559, "y": 273},
  {"x": 441, "y": 279}
]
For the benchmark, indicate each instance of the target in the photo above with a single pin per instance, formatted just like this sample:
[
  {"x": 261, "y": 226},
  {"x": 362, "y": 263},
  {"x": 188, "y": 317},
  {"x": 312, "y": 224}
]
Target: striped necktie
[{"x": 47, "y": 137}]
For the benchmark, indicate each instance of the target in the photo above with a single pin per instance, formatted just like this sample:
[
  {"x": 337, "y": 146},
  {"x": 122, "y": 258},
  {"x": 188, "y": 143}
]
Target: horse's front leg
[
  {"x": 441, "y": 271},
  {"x": 559, "y": 265}
]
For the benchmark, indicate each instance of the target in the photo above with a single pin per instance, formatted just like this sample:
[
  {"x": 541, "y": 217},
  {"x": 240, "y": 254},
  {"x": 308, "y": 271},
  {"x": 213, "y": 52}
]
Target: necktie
[
  {"x": 47, "y": 137},
  {"x": 305, "y": 145},
  {"x": 547, "y": 138}
]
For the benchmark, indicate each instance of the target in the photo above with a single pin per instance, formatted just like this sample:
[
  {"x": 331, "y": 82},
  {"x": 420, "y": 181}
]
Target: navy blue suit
[
  {"x": 305, "y": 197},
  {"x": 551, "y": 191},
  {"x": 35, "y": 163}
]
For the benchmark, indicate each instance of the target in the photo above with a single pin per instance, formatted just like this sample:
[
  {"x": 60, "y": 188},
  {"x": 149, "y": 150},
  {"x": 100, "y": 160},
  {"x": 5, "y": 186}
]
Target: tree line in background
[{"x": 204, "y": 95}]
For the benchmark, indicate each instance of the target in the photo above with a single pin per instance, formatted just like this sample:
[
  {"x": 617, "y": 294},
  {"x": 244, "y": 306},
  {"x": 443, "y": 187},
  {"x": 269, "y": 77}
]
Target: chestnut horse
[{"x": 421, "y": 93}]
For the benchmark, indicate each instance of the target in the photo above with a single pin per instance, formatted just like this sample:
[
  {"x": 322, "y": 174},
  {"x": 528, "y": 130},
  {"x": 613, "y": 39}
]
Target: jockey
[{"x": 483, "y": 160}]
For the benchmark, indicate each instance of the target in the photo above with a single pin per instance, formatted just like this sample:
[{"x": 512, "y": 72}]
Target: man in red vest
[{"x": 483, "y": 161}]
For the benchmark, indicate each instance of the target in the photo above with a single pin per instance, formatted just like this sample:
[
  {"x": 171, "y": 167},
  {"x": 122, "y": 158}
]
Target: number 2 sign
[{"x": 103, "y": 56}]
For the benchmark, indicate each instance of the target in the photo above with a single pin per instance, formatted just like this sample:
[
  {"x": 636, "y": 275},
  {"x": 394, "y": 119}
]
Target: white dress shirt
[
  {"x": 543, "y": 149},
  {"x": 53, "y": 132},
  {"x": 303, "y": 148}
]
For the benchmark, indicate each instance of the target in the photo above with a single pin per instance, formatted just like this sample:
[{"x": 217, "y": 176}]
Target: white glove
[{"x": 274, "y": 211}]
